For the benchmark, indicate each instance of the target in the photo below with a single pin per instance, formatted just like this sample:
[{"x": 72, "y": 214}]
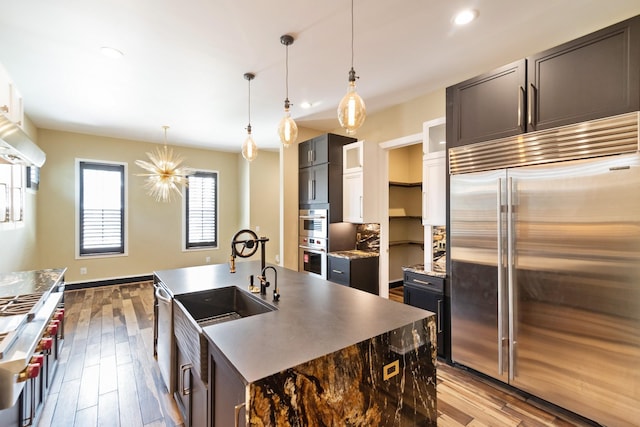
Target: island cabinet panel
[
  {"x": 388, "y": 380},
  {"x": 191, "y": 392},
  {"x": 592, "y": 77},
  {"x": 228, "y": 392}
]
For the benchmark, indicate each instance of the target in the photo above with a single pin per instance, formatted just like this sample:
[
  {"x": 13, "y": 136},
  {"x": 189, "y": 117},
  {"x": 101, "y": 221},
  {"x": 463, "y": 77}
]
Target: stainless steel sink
[{"x": 222, "y": 305}]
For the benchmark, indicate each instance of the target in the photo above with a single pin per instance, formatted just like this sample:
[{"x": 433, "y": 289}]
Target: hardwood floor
[{"x": 108, "y": 376}]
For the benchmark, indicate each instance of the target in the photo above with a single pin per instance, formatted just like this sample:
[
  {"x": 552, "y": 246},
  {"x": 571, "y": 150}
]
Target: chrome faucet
[{"x": 264, "y": 284}]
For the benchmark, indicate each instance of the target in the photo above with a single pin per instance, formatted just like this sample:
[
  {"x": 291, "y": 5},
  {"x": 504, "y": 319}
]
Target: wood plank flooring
[{"x": 108, "y": 376}]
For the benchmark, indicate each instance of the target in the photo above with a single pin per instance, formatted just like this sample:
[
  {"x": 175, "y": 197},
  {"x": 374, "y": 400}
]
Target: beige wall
[
  {"x": 154, "y": 228},
  {"x": 264, "y": 201}
]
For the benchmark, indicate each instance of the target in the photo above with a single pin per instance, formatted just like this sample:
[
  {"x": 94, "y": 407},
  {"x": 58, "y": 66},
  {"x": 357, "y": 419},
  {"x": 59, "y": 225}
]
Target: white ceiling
[{"x": 184, "y": 61}]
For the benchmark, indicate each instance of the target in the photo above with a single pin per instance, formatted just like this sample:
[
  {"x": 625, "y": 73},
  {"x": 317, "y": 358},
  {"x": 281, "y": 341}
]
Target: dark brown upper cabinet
[
  {"x": 486, "y": 107},
  {"x": 595, "y": 76}
]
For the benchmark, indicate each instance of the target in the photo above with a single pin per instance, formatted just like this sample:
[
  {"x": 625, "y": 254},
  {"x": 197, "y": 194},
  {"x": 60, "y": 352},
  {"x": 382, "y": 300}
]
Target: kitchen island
[{"x": 326, "y": 354}]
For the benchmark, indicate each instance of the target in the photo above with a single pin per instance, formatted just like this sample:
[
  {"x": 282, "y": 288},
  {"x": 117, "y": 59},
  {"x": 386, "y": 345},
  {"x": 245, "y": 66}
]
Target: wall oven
[
  {"x": 312, "y": 256},
  {"x": 313, "y": 223}
]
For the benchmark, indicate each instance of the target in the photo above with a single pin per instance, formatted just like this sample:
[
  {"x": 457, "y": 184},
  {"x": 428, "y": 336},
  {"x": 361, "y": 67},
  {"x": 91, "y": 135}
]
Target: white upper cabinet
[
  {"x": 352, "y": 157},
  {"x": 434, "y": 173},
  {"x": 5, "y": 92},
  {"x": 10, "y": 99},
  {"x": 360, "y": 200}
]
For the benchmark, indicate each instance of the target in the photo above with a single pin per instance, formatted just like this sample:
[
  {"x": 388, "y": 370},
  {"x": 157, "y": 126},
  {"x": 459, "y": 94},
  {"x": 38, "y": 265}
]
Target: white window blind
[
  {"x": 202, "y": 210},
  {"x": 101, "y": 208}
]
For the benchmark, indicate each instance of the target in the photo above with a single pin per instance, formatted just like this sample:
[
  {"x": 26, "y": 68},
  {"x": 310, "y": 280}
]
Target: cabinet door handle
[
  {"x": 520, "y": 107},
  {"x": 337, "y": 271},
  {"x": 184, "y": 389},
  {"x": 309, "y": 156},
  {"x": 423, "y": 282},
  {"x": 439, "y": 316},
  {"x": 310, "y": 189},
  {"x": 313, "y": 186},
  {"x": 532, "y": 104},
  {"x": 237, "y": 410}
]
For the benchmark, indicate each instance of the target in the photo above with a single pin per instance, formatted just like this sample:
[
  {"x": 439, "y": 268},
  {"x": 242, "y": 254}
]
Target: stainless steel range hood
[{"x": 16, "y": 147}]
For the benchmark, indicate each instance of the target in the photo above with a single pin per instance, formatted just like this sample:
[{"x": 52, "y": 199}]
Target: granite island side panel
[{"x": 343, "y": 338}]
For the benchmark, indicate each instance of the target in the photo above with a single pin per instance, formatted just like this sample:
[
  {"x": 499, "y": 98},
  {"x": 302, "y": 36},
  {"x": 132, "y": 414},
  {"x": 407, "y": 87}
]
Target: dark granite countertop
[
  {"x": 419, "y": 268},
  {"x": 314, "y": 317},
  {"x": 353, "y": 254},
  {"x": 30, "y": 282}
]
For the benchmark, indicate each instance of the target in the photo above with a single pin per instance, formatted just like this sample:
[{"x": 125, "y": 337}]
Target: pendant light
[
  {"x": 287, "y": 129},
  {"x": 249, "y": 147},
  {"x": 165, "y": 174},
  {"x": 351, "y": 110}
]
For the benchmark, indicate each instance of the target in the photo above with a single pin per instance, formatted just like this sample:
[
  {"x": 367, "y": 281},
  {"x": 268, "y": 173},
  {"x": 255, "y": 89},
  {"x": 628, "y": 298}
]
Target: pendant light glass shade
[
  {"x": 287, "y": 128},
  {"x": 351, "y": 110},
  {"x": 249, "y": 146}
]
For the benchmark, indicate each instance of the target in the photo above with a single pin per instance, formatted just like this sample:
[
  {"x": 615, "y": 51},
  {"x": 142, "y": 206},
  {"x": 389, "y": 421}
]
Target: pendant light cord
[
  {"x": 351, "y": 34},
  {"x": 249, "y": 106},
  {"x": 286, "y": 73}
]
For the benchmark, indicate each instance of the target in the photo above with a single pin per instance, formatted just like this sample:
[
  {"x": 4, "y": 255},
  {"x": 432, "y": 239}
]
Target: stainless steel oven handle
[
  {"x": 312, "y": 217},
  {"x": 311, "y": 249}
]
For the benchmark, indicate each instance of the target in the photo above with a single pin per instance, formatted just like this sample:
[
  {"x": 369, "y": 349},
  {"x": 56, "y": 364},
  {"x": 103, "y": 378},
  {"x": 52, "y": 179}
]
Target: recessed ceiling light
[
  {"x": 465, "y": 16},
  {"x": 111, "y": 52},
  {"x": 306, "y": 105}
]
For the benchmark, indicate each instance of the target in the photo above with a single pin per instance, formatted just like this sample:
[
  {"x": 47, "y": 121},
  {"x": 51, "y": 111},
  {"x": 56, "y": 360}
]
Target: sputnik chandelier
[{"x": 165, "y": 175}]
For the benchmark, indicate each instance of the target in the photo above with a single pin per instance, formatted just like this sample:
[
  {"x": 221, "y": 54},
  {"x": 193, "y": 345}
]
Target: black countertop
[
  {"x": 314, "y": 317},
  {"x": 30, "y": 282}
]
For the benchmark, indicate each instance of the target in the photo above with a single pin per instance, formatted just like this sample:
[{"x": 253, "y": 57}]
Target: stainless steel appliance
[
  {"x": 545, "y": 265},
  {"x": 164, "y": 343},
  {"x": 313, "y": 223},
  {"x": 31, "y": 337},
  {"x": 312, "y": 256}
]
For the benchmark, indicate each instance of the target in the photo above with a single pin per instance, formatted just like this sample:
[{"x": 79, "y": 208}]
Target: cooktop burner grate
[{"x": 20, "y": 304}]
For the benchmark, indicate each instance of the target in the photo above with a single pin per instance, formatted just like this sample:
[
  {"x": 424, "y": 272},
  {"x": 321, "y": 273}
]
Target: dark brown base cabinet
[
  {"x": 592, "y": 77},
  {"x": 358, "y": 273},
  {"x": 227, "y": 392},
  {"x": 427, "y": 292}
]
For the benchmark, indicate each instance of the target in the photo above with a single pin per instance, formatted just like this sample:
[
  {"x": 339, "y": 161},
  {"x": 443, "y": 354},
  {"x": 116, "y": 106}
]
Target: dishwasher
[{"x": 164, "y": 348}]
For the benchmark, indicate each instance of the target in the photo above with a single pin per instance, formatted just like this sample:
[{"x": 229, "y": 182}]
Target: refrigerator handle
[
  {"x": 510, "y": 281},
  {"x": 500, "y": 280}
]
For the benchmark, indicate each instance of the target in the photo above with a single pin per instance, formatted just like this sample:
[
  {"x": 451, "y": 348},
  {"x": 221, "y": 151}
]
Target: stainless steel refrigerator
[{"x": 545, "y": 265}]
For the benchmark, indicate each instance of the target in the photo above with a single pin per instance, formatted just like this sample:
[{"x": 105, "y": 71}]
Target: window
[
  {"x": 101, "y": 214},
  {"x": 11, "y": 193},
  {"x": 201, "y": 210}
]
